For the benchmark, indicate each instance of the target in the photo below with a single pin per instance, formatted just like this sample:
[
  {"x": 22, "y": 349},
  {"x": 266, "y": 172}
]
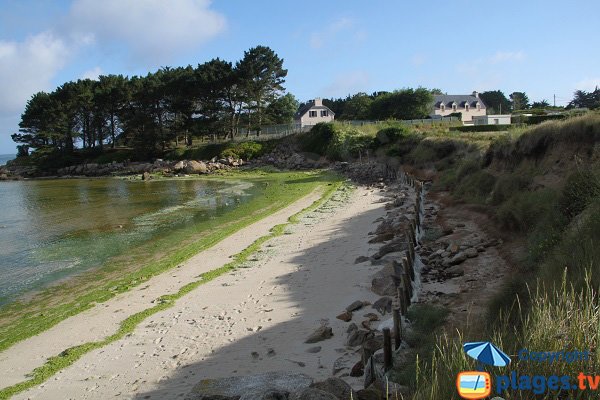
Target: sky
[{"x": 331, "y": 49}]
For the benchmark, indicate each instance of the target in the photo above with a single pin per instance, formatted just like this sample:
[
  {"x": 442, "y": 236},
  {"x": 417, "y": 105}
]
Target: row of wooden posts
[{"x": 404, "y": 273}]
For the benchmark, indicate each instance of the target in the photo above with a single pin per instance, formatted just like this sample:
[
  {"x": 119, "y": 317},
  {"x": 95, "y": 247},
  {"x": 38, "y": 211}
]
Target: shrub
[
  {"x": 506, "y": 186},
  {"x": 390, "y": 135},
  {"x": 476, "y": 187},
  {"x": 525, "y": 209},
  {"x": 479, "y": 128},
  {"x": 580, "y": 189},
  {"x": 318, "y": 139},
  {"x": 243, "y": 150}
]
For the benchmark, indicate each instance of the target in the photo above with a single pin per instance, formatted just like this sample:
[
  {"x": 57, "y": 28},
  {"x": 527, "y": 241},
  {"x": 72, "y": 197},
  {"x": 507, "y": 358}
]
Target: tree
[
  {"x": 583, "y": 99},
  {"x": 540, "y": 104},
  {"x": 402, "y": 104},
  {"x": 110, "y": 97},
  {"x": 262, "y": 76},
  {"x": 496, "y": 102},
  {"x": 520, "y": 101},
  {"x": 358, "y": 107},
  {"x": 282, "y": 109}
]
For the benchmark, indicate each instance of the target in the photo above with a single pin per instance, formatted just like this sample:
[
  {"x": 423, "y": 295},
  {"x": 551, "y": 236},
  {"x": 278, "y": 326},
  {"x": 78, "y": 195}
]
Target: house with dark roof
[
  {"x": 468, "y": 105},
  {"x": 312, "y": 113}
]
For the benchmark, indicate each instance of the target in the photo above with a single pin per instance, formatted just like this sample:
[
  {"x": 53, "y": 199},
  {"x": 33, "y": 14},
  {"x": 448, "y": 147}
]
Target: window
[
  {"x": 466, "y": 107},
  {"x": 496, "y": 121},
  {"x": 443, "y": 107},
  {"x": 454, "y": 107},
  {"x": 478, "y": 106},
  {"x": 324, "y": 113},
  {"x": 312, "y": 114}
]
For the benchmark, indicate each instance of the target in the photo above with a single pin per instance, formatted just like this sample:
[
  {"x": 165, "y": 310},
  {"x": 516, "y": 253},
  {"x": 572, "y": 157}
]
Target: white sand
[{"x": 300, "y": 280}]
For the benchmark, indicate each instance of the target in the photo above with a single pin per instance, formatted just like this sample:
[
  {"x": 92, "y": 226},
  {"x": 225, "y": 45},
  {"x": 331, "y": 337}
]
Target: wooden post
[
  {"x": 397, "y": 328},
  {"x": 408, "y": 270},
  {"x": 387, "y": 349}
]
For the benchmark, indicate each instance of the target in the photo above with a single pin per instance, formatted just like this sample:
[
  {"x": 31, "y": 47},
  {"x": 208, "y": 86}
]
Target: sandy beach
[{"x": 254, "y": 319}]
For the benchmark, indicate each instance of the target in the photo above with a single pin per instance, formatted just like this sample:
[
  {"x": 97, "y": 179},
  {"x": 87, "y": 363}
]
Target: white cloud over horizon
[
  {"x": 28, "y": 67},
  {"x": 152, "y": 30},
  {"x": 92, "y": 74},
  {"x": 589, "y": 84},
  {"x": 347, "y": 83},
  {"x": 319, "y": 39}
]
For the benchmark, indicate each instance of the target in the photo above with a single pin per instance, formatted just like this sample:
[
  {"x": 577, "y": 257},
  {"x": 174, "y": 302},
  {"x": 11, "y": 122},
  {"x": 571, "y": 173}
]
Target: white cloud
[
  {"x": 504, "y": 56},
  {"x": 27, "y": 67},
  {"x": 588, "y": 84},
  {"x": 92, "y": 74},
  {"x": 319, "y": 39},
  {"x": 347, "y": 83},
  {"x": 152, "y": 29}
]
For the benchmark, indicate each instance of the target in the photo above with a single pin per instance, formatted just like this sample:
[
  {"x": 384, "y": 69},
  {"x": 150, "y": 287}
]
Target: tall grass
[{"x": 564, "y": 318}]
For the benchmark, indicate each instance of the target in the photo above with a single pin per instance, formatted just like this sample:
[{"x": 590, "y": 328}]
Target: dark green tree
[
  {"x": 282, "y": 109},
  {"x": 402, "y": 104},
  {"x": 262, "y": 77},
  {"x": 358, "y": 107},
  {"x": 496, "y": 102},
  {"x": 520, "y": 101}
]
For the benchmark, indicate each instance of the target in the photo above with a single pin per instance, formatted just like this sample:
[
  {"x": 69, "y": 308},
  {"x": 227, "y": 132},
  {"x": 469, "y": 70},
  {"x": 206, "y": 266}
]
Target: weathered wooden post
[
  {"x": 409, "y": 273},
  {"x": 387, "y": 349},
  {"x": 397, "y": 328}
]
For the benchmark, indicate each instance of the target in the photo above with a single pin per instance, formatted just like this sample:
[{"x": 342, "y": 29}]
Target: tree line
[
  {"x": 400, "y": 104},
  {"x": 151, "y": 112}
]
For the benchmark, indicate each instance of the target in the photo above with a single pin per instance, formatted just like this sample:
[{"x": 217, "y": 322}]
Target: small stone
[
  {"x": 471, "y": 252},
  {"x": 371, "y": 316},
  {"x": 346, "y": 316},
  {"x": 322, "y": 333},
  {"x": 314, "y": 349},
  {"x": 357, "y": 305}
]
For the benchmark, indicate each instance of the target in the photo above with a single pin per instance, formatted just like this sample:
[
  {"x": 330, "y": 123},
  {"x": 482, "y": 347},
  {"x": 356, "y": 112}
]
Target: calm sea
[
  {"x": 6, "y": 157},
  {"x": 50, "y": 230}
]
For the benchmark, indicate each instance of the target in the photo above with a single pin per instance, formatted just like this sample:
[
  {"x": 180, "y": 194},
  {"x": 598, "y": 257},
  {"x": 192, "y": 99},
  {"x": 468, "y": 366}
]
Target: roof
[
  {"x": 460, "y": 100},
  {"x": 310, "y": 106}
]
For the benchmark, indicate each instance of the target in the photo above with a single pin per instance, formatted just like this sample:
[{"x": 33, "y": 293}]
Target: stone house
[
  {"x": 312, "y": 113},
  {"x": 468, "y": 105}
]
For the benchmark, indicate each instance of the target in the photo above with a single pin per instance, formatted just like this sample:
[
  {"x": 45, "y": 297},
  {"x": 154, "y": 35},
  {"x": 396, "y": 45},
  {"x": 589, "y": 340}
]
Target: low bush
[
  {"x": 476, "y": 187},
  {"x": 580, "y": 189},
  {"x": 525, "y": 209},
  {"x": 245, "y": 150},
  {"x": 479, "y": 128},
  {"x": 506, "y": 186},
  {"x": 318, "y": 139}
]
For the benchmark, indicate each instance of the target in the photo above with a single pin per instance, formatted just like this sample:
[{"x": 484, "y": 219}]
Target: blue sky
[{"x": 332, "y": 48}]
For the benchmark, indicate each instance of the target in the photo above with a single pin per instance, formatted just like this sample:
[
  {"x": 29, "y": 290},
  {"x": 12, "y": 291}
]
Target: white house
[
  {"x": 468, "y": 105},
  {"x": 491, "y": 119},
  {"x": 313, "y": 113}
]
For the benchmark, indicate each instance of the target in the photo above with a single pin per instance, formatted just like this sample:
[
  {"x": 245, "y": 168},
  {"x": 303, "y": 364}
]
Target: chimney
[
  {"x": 318, "y": 101},
  {"x": 476, "y": 94}
]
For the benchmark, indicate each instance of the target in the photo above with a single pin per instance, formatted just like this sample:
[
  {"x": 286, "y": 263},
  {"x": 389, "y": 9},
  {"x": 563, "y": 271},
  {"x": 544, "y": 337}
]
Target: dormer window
[
  {"x": 443, "y": 107},
  {"x": 467, "y": 107},
  {"x": 454, "y": 107},
  {"x": 478, "y": 106}
]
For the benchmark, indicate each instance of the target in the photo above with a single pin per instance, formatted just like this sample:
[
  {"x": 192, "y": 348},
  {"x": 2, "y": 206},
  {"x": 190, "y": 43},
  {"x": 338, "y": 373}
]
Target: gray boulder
[
  {"x": 382, "y": 283},
  {"x": 321, "y": 333},
  {"x": 250, "y": 387},
  {"x": 335, "y": 386}
]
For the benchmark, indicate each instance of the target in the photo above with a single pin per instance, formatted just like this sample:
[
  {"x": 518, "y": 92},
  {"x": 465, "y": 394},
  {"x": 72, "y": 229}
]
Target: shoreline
[
  {"x": 218, "y": 254},
  {"x": 326, "y": 226},
  {"x": 51, "y": 305}
]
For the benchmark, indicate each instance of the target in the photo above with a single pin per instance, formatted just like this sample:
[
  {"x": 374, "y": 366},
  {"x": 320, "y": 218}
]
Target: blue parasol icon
[{"x": 486, "y": 353}]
